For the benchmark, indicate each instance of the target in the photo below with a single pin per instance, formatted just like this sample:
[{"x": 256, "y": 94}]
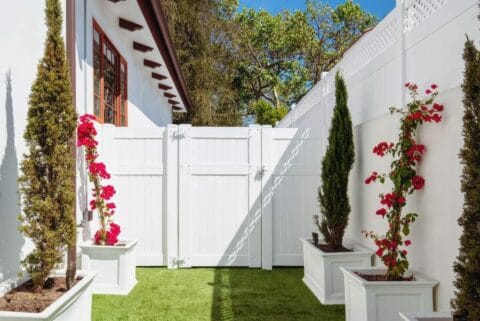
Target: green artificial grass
[{"x": 216, "y": 294}]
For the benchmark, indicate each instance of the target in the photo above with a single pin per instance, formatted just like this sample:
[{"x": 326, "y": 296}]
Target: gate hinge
[{"x": 180, "y": 262}]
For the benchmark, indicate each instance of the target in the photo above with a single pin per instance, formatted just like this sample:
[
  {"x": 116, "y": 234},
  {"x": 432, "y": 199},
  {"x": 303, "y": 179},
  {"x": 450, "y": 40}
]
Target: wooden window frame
[{"x": 119, "y": 81}]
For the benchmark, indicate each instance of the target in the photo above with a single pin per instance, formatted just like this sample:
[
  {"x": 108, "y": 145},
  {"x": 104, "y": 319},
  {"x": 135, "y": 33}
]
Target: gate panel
[
  {"x": 219, "y": 196},
  {"x": 292, "y": 159},
  {"x": 135, "y": 159}
]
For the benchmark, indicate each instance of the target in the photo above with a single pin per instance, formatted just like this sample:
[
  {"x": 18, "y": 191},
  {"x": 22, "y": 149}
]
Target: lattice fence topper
[
  {"x": 419, "y": 10},
  {"x": 381, "y": 41}
]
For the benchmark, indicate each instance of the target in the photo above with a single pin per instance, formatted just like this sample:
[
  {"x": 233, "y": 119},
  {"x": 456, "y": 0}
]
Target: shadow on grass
[{"x": 242, "y": 294}]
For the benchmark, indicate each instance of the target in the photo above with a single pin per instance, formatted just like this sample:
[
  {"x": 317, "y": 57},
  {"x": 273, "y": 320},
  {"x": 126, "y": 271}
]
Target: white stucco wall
[
  {"x": 373, "y": 71},
  {"x": 147, "y": 107},
  {"x": 22, "y": 32}
]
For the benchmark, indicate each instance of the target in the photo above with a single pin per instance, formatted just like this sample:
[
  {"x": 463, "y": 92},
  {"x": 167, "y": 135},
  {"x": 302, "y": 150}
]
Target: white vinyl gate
[{"x": 206, "y": 196}]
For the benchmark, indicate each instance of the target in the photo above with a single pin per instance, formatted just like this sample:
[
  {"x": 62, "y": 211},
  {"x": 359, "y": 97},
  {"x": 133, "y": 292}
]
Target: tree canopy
[{"x": 246, "y": 62}]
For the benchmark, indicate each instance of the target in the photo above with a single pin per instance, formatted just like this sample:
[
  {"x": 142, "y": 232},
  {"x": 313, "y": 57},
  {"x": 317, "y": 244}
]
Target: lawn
[{"x": 216, "y": 294}]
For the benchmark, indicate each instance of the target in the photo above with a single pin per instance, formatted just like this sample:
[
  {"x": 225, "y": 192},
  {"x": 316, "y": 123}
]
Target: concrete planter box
[
  {"x": 115, "y": 266},
  {"x": 322, "y": 270},
  {"x": 383, "y": 300},
  {"x": 76, "y": 304},
  {"x": 434, "y": 316}
]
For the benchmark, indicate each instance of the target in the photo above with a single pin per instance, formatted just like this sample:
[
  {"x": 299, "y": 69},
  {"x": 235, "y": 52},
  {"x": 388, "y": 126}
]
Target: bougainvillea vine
[
  {"x": 407, "y": 154},
  {"x": 97, "y": 171}
]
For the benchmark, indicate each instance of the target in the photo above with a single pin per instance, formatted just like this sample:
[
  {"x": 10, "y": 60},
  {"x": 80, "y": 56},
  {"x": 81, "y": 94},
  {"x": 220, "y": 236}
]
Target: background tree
[
  {"x": 334, "y": 30},
  {"x": 336, "y": 166},
  {"x": 466, "y": 304},
  {"x": 48, "y": 168},
  {"x": 269, "y": 67},
  {"x": 242, "y": 63},
  {"x": 201, "y": 32}
]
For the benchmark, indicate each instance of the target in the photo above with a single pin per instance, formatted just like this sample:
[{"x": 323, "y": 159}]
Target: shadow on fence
[{"x": 11, "y": 241}]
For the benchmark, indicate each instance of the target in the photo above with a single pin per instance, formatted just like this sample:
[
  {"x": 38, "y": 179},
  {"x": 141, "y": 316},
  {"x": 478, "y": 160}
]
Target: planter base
[
  {"x": 322, "y": 269},
  {"x": 76, "y": 304},
  {"x": 383, "y": 300},
  {"x": 434, "y": 316},
  {"x": 115, "y": 266}
]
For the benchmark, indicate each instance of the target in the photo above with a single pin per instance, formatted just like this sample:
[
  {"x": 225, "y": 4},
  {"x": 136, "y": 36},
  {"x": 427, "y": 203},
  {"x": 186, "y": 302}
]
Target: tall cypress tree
[
  {"x": 48, "y": 168},
  {"x": 466, "y": 304},
  {"x": 336, "y": 166}
]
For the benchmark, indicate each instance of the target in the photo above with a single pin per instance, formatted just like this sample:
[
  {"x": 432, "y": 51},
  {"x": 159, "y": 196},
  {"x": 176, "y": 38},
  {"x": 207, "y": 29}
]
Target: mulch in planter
[
  {"x": 22, "y": 298},
  {"x": 327, "y": 248},
  {"x": 382, "y": 277}
]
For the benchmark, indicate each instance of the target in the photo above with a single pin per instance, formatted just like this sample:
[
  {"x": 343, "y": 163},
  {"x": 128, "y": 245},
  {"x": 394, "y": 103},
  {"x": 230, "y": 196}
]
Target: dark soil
[
  {"x": 327, "y": 248},
  {"x": 22, "y": 298},
  {"x": 382, "y": 277}
]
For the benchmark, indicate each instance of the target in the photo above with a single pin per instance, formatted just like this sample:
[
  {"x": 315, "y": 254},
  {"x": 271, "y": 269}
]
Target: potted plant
[
  {"x": 378, "y": 294},
  {"x": 323, "y": 258},
  {"x": 114, "y": 260},
  {"x": 48, "y": 196}
]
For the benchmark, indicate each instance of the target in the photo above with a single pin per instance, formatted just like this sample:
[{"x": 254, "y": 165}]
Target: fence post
[
  {"x": 267, "y": 198},
  {"x": 170, "y": 194},
  {"x": 184, "y": 212},
  {"x": 255, "y": 195}
]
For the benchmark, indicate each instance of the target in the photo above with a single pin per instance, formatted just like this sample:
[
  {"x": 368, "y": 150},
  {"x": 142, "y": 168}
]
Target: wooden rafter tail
[
  {"x": 129, "y": 25},
  {"x": 151, "y": 64},
  {"x": 169, "y": 95},
  {"x": 164, "y": 87},
  {"x": 173, "y": 102},
  {"x": 158, "y": 76},
  {"x": 141, "y": 47}
]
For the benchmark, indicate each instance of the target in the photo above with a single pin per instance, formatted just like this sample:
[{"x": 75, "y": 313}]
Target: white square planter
[
  {"x": 322, "y": 270},
  {"x": 433, "y": 316},
  {"x": 383, "y": 300},
  {"x": 115, "y": 266},
  {"x": 75, "y": 304}
]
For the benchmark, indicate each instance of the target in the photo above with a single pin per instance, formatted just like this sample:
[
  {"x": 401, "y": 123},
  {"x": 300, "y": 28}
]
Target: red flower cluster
[
  {"x": 109, "y": 231},
  {"x": 371, "y": 178},
  {"x": 415, "y": 152},
  {"x": 418, "y": 182},
  {"x": 111, "y": 235},
  {"x": 382, "y": 212},
  {"x": 382, "y": 148},
  {"x": 391, "y": 199},
  {"x": 98, "y": 169}
]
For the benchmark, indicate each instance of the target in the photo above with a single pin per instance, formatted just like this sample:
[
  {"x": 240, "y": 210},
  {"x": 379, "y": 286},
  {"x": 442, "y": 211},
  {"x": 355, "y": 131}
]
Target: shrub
[
  {"x": 406, "y": 153},
  {"x": 47, "y": 182},
  {"x": 336, "y": 166},
  {"x": 466, "y": 304}
]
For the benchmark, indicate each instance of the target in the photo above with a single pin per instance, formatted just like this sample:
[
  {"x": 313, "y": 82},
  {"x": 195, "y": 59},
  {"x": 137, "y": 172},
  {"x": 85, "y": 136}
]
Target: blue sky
[{"x": 379, "y": 8}]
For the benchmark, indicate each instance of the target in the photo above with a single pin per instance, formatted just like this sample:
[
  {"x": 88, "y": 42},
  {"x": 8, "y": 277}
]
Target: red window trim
[{"x": 101, "y": 95}]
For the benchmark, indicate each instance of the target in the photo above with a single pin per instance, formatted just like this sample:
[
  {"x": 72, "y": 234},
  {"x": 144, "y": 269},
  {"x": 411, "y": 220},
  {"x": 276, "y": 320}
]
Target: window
[{"x": 110, "y": 94}]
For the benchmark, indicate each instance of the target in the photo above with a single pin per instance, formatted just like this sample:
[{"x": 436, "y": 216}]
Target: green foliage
[
  {"x": 267, "y": 114},
  {"x": 48, "y": 169},
  {"x": 201, "y": 32},
  {"x": 233, "y": 59},
  {"x": 336, "y": 166},
  {"x": 334, "y": 30},
  {"x": 466, "y": 304},
  {"x": 269, "y": 48}
]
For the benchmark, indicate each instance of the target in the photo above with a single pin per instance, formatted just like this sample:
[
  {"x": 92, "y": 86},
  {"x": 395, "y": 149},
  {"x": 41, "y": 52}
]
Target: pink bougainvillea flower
[
  {"x": 371, "y": 178},
  {"x": 438, "y": 107},
  {"x": 107, "y": 192},
  {"x": 434, "y": 86},
  {"x": 111, "y": 206},
  {"x": 428, "y": 91},
  {"x": 418, "y": 182},
  {"x": 382, "y": 212},
  {"x": 408, "y": 242},
  {"x": 382, "y": 148}
]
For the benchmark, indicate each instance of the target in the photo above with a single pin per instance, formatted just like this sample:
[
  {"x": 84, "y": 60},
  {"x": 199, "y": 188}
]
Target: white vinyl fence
[{"x": 200, "y": 196}]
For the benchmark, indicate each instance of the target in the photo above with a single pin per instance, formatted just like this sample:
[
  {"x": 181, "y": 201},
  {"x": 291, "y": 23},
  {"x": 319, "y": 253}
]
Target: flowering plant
[
  {"x": 407, "y": 153},
  {"x": 109, "y": 231}
]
